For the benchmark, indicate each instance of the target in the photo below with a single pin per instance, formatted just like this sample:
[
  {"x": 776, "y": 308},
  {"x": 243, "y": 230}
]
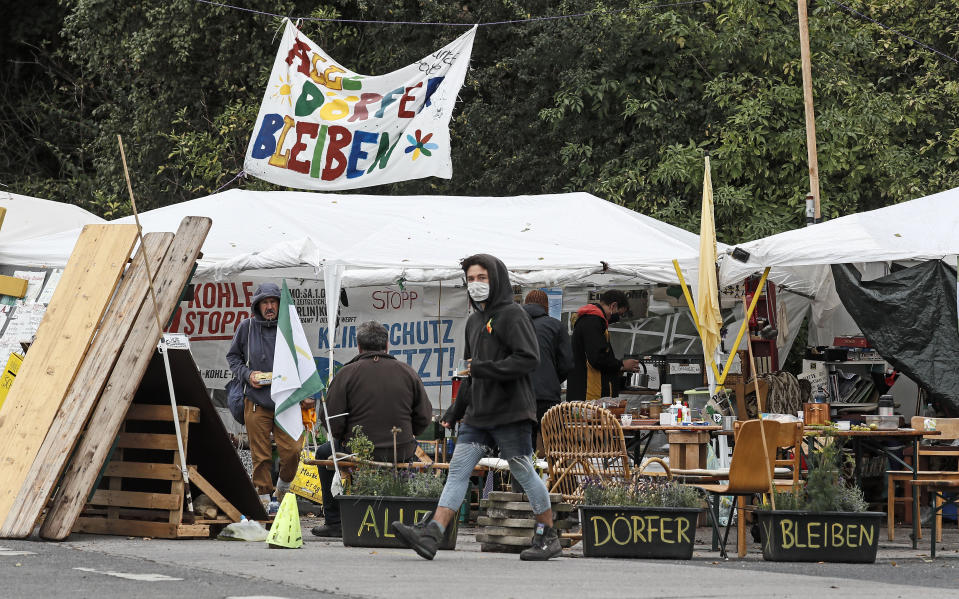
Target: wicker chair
[{"x": 582, "y": 441}]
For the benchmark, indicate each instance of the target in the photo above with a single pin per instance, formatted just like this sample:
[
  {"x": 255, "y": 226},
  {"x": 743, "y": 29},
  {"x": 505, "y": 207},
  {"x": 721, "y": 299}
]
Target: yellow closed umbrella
[{"x": 707, "y": 294}]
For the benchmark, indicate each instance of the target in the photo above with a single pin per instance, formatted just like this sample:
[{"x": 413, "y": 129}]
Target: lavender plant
[{"x": 640, "y": 491}]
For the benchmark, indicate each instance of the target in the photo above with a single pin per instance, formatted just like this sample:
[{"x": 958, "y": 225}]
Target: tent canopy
[
  {"x": 921, "y": 229},
  {"x": 545, "y": 239},
  {"x": 33, "y": 217}
]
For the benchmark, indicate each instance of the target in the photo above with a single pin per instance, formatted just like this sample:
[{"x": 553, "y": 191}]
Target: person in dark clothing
[
  {"x": 502, "y": 354},
  {"x": 596, "y": 369},
  {"x": 555, "y": 357},
  {"x": 378, "y": 393},
  {"x": 250, "y": 358}
]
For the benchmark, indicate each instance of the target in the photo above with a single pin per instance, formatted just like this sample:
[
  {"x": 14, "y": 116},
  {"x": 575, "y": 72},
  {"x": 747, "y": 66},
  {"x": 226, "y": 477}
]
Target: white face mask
[{"x": 478, "y": 290}]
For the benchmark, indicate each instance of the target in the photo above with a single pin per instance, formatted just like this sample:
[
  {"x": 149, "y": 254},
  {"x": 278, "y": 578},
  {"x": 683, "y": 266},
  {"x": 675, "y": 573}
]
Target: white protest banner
[
  {"x": 425, "y": 326},
  {"x": 322, "y": 126}
]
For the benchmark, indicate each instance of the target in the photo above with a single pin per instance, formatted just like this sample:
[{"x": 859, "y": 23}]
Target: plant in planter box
[
  {"x": 377, "y": 495},
  {"x": 641, "y": 517},
  {"x": 825, "y": 519}
]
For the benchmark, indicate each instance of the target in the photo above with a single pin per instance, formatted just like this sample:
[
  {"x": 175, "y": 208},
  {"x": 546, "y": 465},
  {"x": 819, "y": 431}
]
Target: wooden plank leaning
[
  {"x": 84, "y": 391},
  {"x": 92, "y": 450},
  {"x": 62, "y": 340}
]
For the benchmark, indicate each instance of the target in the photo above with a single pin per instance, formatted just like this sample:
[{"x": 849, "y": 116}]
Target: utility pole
[{"x": 810, "y": 115}]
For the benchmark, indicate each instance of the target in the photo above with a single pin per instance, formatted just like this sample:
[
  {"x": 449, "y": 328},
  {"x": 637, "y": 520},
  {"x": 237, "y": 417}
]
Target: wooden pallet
[
  {"x": 509, "y": 524},
  {"x": 141, "y": 492},
  {"x": 130, "y": 364}
]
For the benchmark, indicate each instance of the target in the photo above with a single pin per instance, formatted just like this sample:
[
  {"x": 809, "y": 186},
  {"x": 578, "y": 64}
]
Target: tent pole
[
  {"x": 742, "y": 327},
  {"x": 759, "y": 414},
  {"x": 161, "y": 346}
]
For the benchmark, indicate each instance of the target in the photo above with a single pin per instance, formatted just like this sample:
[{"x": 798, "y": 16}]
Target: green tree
[{"x": 623, "y": 103}]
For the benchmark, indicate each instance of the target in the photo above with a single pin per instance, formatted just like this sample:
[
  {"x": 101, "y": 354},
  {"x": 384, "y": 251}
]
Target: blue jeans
[{"x": 515, "y": 444}]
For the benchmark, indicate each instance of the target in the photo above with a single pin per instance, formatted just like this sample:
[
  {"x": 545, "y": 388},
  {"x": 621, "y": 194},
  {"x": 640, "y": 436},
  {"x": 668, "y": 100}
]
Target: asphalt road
[{"x": 104, "y": 567}]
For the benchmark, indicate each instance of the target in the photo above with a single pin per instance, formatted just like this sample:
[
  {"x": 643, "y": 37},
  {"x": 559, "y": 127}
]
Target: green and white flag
[{"x": 294, "y": 372}]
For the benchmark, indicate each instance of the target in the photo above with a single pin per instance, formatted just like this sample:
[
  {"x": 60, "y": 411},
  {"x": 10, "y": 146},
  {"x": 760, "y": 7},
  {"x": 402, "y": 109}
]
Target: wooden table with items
[{"x": 689, "y": 439}]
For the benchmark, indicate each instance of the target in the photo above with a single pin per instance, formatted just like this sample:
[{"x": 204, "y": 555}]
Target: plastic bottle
[{"x": 687, "y": 416}]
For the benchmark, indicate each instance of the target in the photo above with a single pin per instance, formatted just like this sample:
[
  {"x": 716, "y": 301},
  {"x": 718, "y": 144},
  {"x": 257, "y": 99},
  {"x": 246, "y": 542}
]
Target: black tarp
[{"x": 909, "y": 317}]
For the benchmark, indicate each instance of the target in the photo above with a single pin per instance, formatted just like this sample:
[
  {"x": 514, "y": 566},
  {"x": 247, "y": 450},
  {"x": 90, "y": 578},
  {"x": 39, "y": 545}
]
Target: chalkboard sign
[
  {"x": 793, "y": 536},
  {"x": 639, "y": 532},
  {"x": 366, "y": 520}
]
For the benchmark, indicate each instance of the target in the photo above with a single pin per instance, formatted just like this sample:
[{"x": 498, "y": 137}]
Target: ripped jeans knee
[
  {"x": 523, "y": 471},
  {"x": 465, "y": 458}
]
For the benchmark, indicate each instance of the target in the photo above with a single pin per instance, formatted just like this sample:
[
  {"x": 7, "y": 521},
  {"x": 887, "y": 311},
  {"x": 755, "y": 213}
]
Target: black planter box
[
  {"x": 366, "y": 519},
  {"x": 793, "y": 536},
  {"x": 644, "y": 532}
]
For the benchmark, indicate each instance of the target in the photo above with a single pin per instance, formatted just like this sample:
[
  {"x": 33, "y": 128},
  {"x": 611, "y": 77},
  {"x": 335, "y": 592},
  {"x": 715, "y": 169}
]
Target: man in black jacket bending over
[
  {"x": 595, "y": 367},
  {"x": 502, "y": 351}
]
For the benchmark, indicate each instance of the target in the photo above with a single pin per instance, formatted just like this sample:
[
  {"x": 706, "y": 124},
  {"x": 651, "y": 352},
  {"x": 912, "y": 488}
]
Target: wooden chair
[
  {"x": 582, "y": 441},
  {"x": 748, "y": 473},
  {"x": 949, "y": 429},
  {"x": 785, "y": 440}
]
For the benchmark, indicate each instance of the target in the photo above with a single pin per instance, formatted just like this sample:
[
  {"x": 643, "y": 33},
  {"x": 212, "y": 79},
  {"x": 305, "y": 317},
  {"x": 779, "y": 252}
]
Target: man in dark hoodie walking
[
  {"x": 251, "y": 360},
  {"x": 502, "y": 353}
]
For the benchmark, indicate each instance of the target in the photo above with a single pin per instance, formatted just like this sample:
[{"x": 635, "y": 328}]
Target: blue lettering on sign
[
  {"x": 357, "y": 153},
  {"x": 426, "y": 352},
  {"x": 265, "y": 143},
  {"x": 406, "y": 343}
]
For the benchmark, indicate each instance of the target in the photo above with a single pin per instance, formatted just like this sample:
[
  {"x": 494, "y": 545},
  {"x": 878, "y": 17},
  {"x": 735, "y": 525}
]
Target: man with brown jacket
[{"x": 377, "y": 392}]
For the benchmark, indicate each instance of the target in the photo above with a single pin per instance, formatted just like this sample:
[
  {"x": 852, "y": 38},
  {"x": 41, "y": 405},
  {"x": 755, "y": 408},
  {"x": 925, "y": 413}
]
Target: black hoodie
[{"x": 501, "y": 342}]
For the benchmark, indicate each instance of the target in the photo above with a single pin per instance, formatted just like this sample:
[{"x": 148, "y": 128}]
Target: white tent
[
  {"x": 28, "y": 217},
  {"x": 545, "y": 240},
  {"x": 920, "y": 229}
]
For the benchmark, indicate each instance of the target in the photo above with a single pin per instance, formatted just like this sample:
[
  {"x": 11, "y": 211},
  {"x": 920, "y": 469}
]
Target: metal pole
[
  {"x": 176, "y": 424},
  {"x": 810, "y": 113}
]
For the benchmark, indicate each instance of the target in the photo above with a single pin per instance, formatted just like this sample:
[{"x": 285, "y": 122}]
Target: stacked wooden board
[
  {"x": 46, "y": 376},
  {"x": 73, "y": 391},
  {"x": 509, "y": 523}
]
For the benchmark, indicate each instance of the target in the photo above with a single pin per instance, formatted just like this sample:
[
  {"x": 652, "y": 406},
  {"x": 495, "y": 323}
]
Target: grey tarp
[{"x": 910, "y": 318}]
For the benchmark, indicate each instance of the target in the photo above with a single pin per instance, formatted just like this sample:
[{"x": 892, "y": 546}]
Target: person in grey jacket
[
  {"x": 555, "y": 357},
  {"x": 251, "y": 360}
]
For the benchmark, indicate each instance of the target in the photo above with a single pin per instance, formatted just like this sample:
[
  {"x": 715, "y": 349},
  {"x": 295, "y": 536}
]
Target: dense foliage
[{"x": 620, "y": 103}]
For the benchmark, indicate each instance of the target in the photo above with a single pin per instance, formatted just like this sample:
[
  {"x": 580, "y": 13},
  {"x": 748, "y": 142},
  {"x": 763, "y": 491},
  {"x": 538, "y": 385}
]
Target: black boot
[
  {"x": 545, "y": 544},
  {"x": 334, "y": 530},
  {"x": 423, "y": 537}
]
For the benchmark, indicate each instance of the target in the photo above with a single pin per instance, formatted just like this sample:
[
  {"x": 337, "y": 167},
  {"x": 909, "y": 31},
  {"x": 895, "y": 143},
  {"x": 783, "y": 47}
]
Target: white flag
[{"x": 294, "y": 371}]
